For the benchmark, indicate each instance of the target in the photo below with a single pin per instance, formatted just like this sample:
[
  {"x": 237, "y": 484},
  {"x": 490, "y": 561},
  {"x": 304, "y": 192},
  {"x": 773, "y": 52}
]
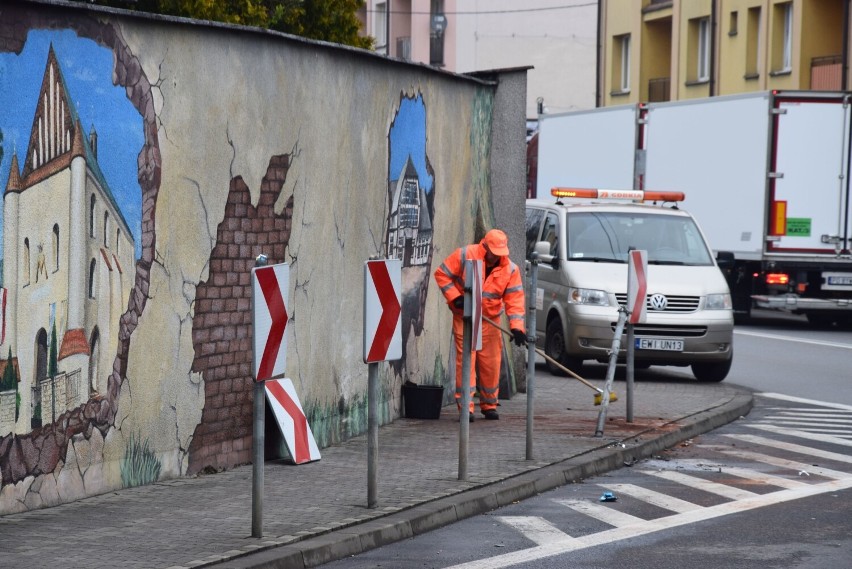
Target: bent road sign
[{"x": 284, "y": 403}]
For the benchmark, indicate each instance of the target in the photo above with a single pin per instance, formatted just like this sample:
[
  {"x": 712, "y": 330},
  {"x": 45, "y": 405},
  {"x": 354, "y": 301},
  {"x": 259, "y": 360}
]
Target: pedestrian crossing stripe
[{"x": 803, "y": 481}]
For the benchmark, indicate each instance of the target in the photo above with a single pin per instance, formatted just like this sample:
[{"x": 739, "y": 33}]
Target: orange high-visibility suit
[{"x": 502, "y": 287}]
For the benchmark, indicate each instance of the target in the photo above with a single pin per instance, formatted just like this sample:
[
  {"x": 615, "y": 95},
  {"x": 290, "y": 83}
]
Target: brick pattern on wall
[{"x": 222, "y": 334}]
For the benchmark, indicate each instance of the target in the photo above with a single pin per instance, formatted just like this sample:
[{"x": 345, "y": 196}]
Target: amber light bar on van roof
[{"x": 618, "y": 194}]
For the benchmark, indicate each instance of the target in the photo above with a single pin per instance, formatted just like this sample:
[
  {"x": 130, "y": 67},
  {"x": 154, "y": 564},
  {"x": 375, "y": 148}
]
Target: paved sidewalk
[{"x": 315, "y": 513}]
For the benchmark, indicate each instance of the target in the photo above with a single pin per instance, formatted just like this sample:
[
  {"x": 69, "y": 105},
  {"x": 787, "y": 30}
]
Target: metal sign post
[
  {"x": 258, "y": 440},
  {"x": 471, "y": 340},
  {"x": 382, "y": 342},
  {"x": 269, "y": 351},
  {"x": 531, "y": 324},
  {"x": 637, "y": 289}
]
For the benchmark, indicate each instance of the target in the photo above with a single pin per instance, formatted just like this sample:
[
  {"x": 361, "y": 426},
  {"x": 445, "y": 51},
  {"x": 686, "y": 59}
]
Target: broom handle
[{"x": 545, "y": 356}]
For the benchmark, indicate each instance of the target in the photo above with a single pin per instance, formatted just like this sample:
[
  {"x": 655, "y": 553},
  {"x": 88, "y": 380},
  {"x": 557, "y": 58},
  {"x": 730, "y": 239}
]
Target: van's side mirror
[
  {"x": 725, "y": 260},
  {"x": 542, "y": 249}
]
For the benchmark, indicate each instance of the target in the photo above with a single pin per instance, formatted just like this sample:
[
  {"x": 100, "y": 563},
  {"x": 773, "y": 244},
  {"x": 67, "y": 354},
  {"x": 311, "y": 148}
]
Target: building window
[
  {"x": 55, "y": 247},
  {"x": 380, "y": 27},
  {"x": 117, "y": 240},
  {"x": 106, "y": 229},
  {"x": 92, "y": 279},
  {"x": 437, "y": 27},
  {"x": 733, "y": 24},
  {"x": 782, "y": 42},
  {"x": 26, "y": 263},
  {"x": 92, "y": 201},
  {"x": 698, "y": 46},
  {"x": 753, "y": 43},
  {"x": 621, "y": 64}
]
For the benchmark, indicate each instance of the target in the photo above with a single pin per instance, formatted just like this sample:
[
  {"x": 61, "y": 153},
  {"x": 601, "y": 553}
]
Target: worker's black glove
[
  {"x": 458, "y": 303},
  {"x": 519, "y": 338}
]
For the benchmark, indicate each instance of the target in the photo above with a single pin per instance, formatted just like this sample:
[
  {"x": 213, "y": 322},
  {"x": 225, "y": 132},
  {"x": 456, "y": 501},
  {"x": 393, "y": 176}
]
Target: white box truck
[{"x": 766, "y": 174}]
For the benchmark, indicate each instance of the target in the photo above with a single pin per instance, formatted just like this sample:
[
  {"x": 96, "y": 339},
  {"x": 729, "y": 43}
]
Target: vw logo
[{"x": 658, "y": 302}]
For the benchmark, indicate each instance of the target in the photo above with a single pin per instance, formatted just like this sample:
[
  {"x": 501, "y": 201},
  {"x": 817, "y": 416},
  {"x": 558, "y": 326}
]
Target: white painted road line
[
  {"x": 701, "y": 484},
  {"x": 809, "y": 426},
  {"x": 535, "y": 529},
  {"x": 792, "y": 447},
  {"x": 753, "y": 475},
  {"x": 601, "y": 513},
  {"x": 824, "y": 415},
  {"x": 794, "y": 339},
  {"x": 792, "y": 399},
  {"x": 570, "y": 544},
  {"x": 652, "y": 497},
  {"x": 802, "y": 434},
  {"x": 793, "y": 465}
]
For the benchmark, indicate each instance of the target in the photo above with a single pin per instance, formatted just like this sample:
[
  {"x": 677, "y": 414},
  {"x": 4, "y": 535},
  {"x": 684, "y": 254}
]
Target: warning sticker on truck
[{"x": 799, "y": 226}]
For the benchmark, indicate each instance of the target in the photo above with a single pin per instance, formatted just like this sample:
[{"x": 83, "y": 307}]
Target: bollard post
[
  {"x": 258, "y": 440},
  {"x": 531, "y": 326}
]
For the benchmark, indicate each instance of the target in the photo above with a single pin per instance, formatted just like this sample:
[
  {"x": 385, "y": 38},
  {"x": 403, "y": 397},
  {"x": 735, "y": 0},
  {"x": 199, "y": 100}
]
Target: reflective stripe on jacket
[{"x": 502, "y": 286}]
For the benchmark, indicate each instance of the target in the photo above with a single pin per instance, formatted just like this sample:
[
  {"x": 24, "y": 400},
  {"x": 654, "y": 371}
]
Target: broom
[{"x": 598, "y": 391}]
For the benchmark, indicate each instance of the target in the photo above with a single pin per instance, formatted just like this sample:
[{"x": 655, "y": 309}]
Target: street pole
[
  {"x": 631, "y": 367},
  {"x": 258, "y": 440},
  {"x": 373, "y": 434},
  {"x": 464, "y": 412},
  {"x": 531, "y": 325}
]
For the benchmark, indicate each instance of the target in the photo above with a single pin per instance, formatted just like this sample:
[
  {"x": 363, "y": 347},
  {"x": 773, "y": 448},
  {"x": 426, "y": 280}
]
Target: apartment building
[
  {"x": 660, "y": 50},
  {"x": 557, "y": 38}
]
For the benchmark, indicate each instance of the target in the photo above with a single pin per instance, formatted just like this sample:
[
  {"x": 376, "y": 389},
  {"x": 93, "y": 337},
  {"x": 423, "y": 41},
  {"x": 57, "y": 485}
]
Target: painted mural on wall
[
  {"x": 138, "y": 193},
  {"x": 410, "y": 216},
  {"x": 71, "y": 213}
]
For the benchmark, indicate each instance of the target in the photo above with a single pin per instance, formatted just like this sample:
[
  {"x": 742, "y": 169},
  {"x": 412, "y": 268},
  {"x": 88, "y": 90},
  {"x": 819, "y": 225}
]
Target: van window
[
  {"x": 533, "y": 226},
  {"x": 668, "y": 239},
  {"x": 550, "y": 233}
]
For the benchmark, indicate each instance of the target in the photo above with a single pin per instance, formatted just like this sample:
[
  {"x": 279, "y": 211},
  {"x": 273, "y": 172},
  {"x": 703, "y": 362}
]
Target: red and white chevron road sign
[
  {"x": 284, "y": 402},
  {"x": 637, "y": 285},
  {"x": 269, "y": 319},
  {"x": 382, "y": 311}
]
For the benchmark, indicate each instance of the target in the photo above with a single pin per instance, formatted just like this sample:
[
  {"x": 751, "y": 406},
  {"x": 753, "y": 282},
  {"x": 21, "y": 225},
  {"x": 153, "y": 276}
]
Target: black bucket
[{"x": 422, "y": 401}]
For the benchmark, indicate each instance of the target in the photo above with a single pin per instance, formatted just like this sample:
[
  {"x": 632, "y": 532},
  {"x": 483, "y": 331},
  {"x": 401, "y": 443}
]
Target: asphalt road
[{"x": 771, "y": 489}]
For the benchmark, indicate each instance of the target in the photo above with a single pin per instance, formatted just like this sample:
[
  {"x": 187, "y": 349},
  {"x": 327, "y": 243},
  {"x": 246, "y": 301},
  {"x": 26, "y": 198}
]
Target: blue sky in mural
[
  {"x": 408, "y": 136},
  {"x": 87, "y": 69}
]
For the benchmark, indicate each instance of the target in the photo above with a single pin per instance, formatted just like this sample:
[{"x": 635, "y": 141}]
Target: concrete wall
[{"x": 220, "y": 143}]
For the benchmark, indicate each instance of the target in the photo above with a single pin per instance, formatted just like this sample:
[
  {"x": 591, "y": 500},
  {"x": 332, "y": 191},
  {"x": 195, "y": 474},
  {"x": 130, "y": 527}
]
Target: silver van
[{"x": 583, "y": 280}]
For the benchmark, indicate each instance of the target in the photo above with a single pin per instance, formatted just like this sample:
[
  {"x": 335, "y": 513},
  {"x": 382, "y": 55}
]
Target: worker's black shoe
[{"x": 491, "y": 415}]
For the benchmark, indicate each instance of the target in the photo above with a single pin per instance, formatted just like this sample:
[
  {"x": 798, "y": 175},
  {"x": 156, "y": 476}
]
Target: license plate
[
  {"x": 837, "y": 281},
  {"x": 662, "y": 344},
  {"x": 840, "y": 281}
]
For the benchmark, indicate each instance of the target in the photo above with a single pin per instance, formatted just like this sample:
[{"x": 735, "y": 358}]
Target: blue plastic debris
[{"x": 608, "y": 497}]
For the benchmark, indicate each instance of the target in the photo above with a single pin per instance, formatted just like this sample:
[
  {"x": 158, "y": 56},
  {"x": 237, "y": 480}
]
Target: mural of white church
[
  {"x": 68, "y": 266},
  {"x": 409, "y": 222}
]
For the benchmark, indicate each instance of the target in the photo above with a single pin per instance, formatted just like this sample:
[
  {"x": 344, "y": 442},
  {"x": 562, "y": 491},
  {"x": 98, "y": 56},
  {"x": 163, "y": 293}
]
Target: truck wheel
[
  {"x": 554, "y": 347},
  {"x": 711, "y": 372}
]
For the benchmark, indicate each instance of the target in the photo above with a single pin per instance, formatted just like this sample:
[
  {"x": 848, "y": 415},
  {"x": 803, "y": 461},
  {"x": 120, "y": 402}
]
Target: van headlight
[
  {"x": 718, "y": 302},
  {"x": 587, "y": 296}
]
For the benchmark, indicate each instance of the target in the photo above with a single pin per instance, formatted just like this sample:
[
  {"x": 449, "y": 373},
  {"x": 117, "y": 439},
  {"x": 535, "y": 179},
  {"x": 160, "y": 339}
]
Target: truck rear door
[{"x": 809, "y": 175}]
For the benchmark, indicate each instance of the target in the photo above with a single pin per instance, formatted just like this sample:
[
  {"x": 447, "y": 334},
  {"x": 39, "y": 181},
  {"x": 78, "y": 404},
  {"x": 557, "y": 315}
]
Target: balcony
[
  {"x": 659, "y": 89},
  {"x": 827, "y": 73}
]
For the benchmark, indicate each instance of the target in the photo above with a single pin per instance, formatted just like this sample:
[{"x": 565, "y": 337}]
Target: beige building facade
[{"x": 656, "y": 50}]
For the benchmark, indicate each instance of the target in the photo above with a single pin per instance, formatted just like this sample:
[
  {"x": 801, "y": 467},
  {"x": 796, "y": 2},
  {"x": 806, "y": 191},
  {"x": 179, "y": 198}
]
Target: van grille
[
  {"x": 662, "y": 330},
  {"x": 675, "y": 303}
]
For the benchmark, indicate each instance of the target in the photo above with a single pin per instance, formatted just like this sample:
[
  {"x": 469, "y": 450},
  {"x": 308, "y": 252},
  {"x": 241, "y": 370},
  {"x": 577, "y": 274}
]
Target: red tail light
[{"x": 777, "y": 278}]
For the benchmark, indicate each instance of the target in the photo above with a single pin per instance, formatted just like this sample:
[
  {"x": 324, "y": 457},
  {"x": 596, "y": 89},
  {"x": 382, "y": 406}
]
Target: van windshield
[{"x": 607, "y": 237}]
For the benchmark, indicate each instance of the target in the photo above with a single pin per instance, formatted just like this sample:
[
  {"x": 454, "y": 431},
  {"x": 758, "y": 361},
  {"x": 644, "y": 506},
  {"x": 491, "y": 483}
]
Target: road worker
[{"x": 502, "y": 287}]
